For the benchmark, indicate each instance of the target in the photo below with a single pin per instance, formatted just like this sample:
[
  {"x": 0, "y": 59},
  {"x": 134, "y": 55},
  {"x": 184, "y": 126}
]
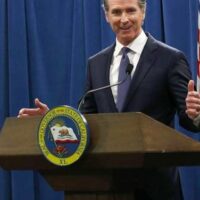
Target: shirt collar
[{"x": 136, "y": 45}]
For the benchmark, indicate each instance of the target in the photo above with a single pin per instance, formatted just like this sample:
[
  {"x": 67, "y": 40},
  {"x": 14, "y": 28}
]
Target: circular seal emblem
[{"x": 63, "y": 135}]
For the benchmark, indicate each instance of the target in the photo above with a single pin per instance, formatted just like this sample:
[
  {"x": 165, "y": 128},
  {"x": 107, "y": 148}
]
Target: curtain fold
[
  {"x": 154, "y": 19},
  {"x": 44, "y": 47}
]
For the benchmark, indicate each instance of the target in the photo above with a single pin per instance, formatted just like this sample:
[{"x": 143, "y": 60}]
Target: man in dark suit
[{"x": 158, "y": 85}]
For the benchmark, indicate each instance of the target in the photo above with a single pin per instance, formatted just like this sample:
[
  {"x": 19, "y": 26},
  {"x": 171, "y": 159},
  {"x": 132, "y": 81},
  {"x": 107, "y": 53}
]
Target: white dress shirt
[{"x": 136, "y": 47}]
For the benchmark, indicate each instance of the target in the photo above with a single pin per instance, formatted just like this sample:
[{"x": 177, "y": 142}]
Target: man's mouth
[{"x": 125, "y": 28}]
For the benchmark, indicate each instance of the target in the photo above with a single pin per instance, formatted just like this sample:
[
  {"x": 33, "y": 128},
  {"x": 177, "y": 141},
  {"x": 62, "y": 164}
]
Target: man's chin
[{"x": 126, "y": 38}]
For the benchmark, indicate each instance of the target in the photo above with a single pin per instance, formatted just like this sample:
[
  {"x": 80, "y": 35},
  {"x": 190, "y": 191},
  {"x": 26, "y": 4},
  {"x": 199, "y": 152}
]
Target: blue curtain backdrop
[{"x": 44, "y": 46}]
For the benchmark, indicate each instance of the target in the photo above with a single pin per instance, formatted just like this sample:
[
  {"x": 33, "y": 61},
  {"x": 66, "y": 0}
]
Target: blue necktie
[{"x": 123, "y": 88}]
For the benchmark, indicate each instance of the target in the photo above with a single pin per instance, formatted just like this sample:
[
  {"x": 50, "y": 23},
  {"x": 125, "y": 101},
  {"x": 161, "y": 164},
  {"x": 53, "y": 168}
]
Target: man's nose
[{"x": 124, "y": 17}]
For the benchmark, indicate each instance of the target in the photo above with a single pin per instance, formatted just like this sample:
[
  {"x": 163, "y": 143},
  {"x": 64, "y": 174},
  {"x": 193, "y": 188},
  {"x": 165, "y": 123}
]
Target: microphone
[{"x": 129, "y": 69}]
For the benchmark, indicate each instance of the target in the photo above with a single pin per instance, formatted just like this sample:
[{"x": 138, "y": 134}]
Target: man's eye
[
  {"x": 116, "y": 12},
  {"x": 131, "y": 11}
]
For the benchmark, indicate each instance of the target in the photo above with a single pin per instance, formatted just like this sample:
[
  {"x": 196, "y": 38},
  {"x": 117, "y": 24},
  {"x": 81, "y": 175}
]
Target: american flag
[{"x": 198, "y": 51}]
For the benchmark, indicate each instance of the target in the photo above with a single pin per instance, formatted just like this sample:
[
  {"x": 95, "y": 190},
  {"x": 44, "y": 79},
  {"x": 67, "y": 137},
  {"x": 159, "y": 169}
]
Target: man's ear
[
  {"x": 106, "y": 16},
  {"x": 143, "y": 18},
  {"x": 144, "y": 14}
]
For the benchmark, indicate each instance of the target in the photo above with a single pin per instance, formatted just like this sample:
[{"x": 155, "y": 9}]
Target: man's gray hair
[{"x": 142, "y": 5}]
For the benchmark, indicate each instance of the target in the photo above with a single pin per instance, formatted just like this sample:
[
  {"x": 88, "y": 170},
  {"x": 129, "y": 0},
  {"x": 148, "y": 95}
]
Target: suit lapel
[
  {"x": 144, "y": 65},
  {"x": 108, "y": 54}
]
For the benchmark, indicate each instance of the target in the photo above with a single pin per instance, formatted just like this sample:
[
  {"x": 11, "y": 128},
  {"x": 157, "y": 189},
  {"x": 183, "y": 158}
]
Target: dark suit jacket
[{"x": 158, "y": 89}]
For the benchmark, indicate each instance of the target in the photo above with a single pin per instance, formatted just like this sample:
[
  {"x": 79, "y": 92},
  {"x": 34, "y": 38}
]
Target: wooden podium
[{"x": 120, "y": 144}]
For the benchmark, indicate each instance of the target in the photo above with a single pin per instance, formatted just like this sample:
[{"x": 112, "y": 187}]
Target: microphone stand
[{"x": 128, "y": 72}]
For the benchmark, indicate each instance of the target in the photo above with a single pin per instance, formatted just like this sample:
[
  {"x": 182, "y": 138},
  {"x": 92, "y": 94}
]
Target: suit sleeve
[{"x": 179, "y": 76}]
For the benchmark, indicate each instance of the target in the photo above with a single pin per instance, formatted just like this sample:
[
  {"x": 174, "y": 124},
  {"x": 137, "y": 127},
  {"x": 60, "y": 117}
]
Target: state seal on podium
[{"x": 63, "y": 135}]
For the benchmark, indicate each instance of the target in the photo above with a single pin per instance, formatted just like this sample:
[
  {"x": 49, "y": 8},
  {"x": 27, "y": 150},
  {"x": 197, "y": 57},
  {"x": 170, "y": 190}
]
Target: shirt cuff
[{"x": 196, "y": 121}]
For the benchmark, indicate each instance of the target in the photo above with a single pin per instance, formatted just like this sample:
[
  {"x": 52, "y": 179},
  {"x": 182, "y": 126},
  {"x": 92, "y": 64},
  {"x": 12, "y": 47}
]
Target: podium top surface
[{"x": 122, "y": 140}]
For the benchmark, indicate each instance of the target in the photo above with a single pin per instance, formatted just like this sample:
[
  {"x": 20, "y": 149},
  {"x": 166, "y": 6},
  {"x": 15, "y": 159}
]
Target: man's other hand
[
  {"x": 40, "y": 110},
  {"x": 192, "y": 101}
]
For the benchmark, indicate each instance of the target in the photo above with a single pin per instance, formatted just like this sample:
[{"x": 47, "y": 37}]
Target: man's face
[{"x": 125, "y": 18}]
